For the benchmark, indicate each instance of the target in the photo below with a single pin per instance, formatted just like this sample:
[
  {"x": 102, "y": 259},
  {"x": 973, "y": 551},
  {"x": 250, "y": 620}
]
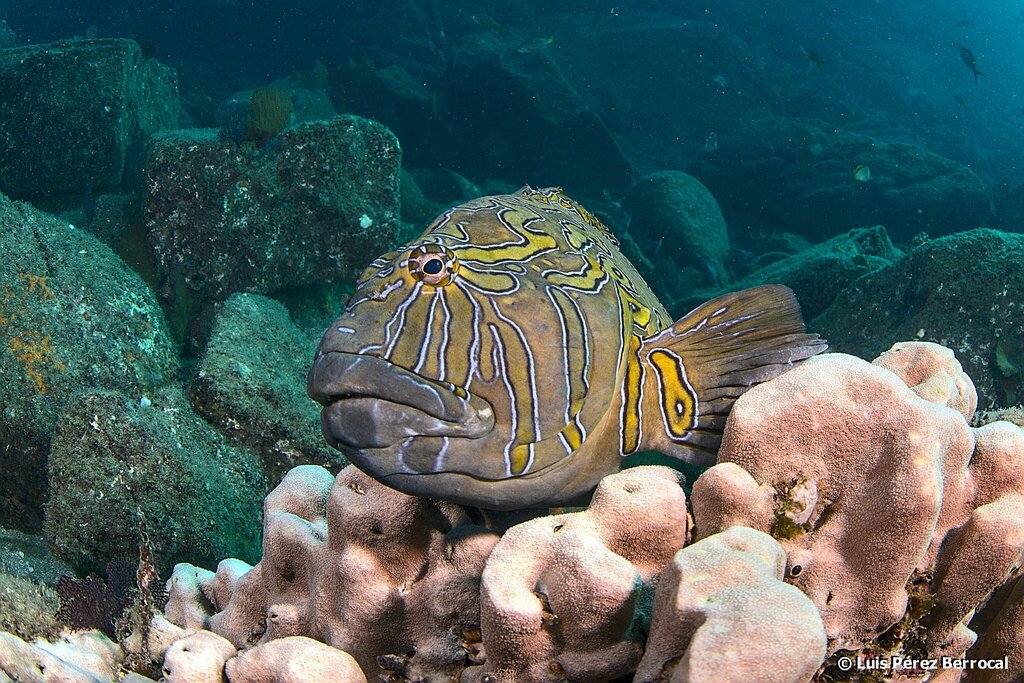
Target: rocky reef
[{"x": 854, "y": 515}]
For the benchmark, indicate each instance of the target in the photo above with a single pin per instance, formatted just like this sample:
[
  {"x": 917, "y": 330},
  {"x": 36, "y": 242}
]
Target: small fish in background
[
  {"x": 969, "y": 60},
  {"x": 964, "y": 23},
  {"x": 862, "y": 173},
  {"x": 960, "y": 99},
  {"x": 812, "y": 55},
  {"x": 536, "y": 45},
  {"x": 486, "y": 21},
  {"x": 711, "y": 142}
]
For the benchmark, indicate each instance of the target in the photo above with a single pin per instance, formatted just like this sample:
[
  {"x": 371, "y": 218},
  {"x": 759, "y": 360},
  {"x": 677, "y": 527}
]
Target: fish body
[
  {"x": 813, "y": 55},
  {"x": 711, "y": 142},
  {"x": 511, "y": 356},
  {"x": 967, "y": 57}
]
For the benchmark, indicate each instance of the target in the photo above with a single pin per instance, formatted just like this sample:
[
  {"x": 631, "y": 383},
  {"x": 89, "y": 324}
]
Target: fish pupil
[{"x": 433, "y": 266}]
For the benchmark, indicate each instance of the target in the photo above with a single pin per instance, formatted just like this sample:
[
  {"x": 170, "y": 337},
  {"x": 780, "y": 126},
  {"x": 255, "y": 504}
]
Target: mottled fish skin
[{"x": 505, "y": 359}]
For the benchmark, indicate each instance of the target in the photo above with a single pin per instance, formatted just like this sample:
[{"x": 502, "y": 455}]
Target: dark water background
[{"x": 887, "y": 68}]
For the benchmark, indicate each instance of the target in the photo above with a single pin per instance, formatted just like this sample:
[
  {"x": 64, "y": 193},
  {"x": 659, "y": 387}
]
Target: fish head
[
  {"x": 388, "y": 402},
  {"x": 460, "y": 362}
]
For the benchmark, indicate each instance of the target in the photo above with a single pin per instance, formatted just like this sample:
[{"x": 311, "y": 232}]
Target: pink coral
[
  {"x": 906, "y": 490},
  {"x": 723, "y": 613},
  {"x": 391, "y": 579},
  {"x": 563, "y": 596}
]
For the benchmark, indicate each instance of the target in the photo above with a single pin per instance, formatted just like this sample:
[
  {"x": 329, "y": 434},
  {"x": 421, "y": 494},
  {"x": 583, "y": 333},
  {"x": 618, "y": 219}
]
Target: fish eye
[{"x": 433, "y": 264}]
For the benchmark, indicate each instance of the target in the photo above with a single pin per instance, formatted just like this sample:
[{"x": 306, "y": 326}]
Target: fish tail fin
[{"x": 694, "y": 371}]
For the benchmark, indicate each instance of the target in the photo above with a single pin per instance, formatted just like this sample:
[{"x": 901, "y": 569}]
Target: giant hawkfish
[{"x": 511, "y": 356}]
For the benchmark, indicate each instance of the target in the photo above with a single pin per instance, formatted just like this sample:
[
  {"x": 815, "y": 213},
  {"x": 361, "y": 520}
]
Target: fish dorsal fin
[{"x": 695, "y": 370}]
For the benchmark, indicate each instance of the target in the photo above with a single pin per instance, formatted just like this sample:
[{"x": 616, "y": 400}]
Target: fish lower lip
[
  {"x": 383, "y": 392},
  {"x": 367, "y": 423},
  {"x": 337, "y": 376}
]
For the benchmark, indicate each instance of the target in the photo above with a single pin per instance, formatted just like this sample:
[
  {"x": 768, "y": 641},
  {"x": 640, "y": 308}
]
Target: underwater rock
[
  {"x": 798, "y": 175},
  {"x": 1010, "y": 212},
  {"x": 678, "y": 226},
  {"x": 962, "y": 291},
  {"x": 818, "y": 274},
  {"x": 27, "y": 609},
  {"x": 897, "y": 517},
  {"x": 8, "y": 38},
  {"x": 312, "y": 206},
  {"x": 417, "y": 210},
  {"x": 72, "y": 110},
  {"x": 723, "y": 613},
  {"x": 526, "y": 120},
  {"x": 29, "y": 557},
  {"x": 118, "y": 468},
  {"x": 72, "y": 316},
  {"x": 446, "y": 187},
  {"x": 568, "y": 597},
  {"x": 403, "y": 95},
  {"x": 391, "y": 579},
  {"x": 250, "y": 384}
]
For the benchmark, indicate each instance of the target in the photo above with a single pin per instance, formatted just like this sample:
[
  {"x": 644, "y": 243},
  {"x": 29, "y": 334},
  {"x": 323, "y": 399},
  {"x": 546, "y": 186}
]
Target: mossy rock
[
  {"x": 72, "y": 316},
  {"x": 118, "y": 466},
  {"x": 251, "y": 384}
]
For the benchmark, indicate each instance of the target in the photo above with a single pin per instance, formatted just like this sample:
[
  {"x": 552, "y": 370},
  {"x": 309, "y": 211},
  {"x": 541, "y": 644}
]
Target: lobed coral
[
  {"x": 568, "y": 596},
  {"x": 909, "y": 498},
  {"x": 723, "y": 613},
  {"x": 391, "y": 579}
]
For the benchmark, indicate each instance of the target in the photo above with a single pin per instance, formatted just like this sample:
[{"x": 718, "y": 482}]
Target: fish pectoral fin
[{"x": 695, "y": 370}]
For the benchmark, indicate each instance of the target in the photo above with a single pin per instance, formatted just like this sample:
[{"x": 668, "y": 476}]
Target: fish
[
  {"x": 813, "y": 55},
  {"x": 511, "y": 356},
  {"x": 967, "y": 57},
  {"x": 960, "y": 99},
  {"x": 711, "y": 142},
  {"x": 862, "y": 173},
  {"x": 536, "y": 45}
]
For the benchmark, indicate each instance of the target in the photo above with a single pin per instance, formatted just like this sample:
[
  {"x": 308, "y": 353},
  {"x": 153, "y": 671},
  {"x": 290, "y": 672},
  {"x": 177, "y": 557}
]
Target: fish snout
[{"x": 372, "y": 403}]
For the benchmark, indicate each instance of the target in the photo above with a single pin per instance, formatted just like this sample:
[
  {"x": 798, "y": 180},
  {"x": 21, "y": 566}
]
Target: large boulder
[
  {"x": 817, "y": 274},
  {"x": 314, "y": 205},
  {"x": 962, "y": 291},
  {"x": 121, "y": 468},
  {"x": 795, "y": 174},
  {"x": 525, "y": 119},
  {"x": 251, "y": 383},
  {"x": 678, "y": 226},
  {"x": 72, "y": 110},
  {"x": 72, "y": 316},
  {"x": 1010, "y": 212}
]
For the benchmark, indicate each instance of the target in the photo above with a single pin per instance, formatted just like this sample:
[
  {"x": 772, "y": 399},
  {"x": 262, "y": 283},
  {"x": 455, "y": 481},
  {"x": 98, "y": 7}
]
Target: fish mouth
[{"x": 370, "y": 403}]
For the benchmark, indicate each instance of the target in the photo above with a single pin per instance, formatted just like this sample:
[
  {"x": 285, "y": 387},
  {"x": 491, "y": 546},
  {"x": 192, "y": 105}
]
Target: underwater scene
[{"x": 497, "y": 342}]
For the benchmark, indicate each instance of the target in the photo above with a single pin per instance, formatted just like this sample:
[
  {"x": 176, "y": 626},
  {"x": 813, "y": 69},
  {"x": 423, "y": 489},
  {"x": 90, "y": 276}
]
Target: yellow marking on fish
[
  {"x": 678, "y": 399},
  {"x": 632, "y": 394}
]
